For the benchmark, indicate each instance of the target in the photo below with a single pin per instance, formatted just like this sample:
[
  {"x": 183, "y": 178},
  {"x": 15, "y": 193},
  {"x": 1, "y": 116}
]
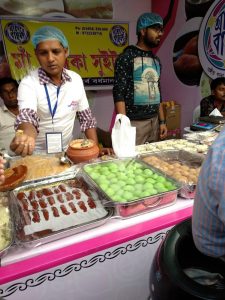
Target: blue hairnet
[
  {"x": 49, "y": 33},
  {"x": 146, "y": 20}
]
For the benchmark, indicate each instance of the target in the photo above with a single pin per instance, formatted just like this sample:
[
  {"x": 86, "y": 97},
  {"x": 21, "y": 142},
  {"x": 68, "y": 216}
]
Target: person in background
[
  {"x": 2, "y": 177},
  {"x": 8, "y": 111},
  {"x": 208, "y": 219},
  {"x": 50, "y": 97},
  {"x": 136, "y": 89},
  {"x": 215, "y": 100}
]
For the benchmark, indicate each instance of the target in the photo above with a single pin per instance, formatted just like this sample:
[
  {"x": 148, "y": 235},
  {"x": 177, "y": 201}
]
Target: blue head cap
[
  {"x": 148, "y": 19},
  {"x": 49, "y": 33}
]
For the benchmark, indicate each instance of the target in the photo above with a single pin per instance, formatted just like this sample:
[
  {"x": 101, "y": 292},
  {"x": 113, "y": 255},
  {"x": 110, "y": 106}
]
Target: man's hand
[
  {"x": 162, "y": 131},
  {"x": 106, "y": 151},
  {"x": 22, "y": 144}
]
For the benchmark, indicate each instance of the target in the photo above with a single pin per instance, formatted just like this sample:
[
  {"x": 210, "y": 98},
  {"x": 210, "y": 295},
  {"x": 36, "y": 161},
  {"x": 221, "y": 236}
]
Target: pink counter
[{"x": 91, "y": 247}]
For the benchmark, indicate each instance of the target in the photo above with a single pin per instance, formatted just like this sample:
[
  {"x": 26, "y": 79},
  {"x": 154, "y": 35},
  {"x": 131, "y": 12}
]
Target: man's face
[
  {"x": 51, "y": 56},
  {"x": 152, "y": 35},
  {"x": 219, "y": 92},
  {"x": 8, "y": 93}
]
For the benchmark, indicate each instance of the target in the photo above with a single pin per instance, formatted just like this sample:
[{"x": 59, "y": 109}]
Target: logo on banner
[
  {"x": 118, "y": 35},
  {"x": 17, "y": 33},
  {"x": 211, "y": 44}
]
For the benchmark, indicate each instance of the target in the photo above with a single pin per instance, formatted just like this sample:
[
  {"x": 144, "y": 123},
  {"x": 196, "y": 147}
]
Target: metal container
[
  {"x": 43, "y": 166},
  {"x": 147, "y": 199},
  {"x": 181, "y": 165},
  {"x": 55, "y": 208}
]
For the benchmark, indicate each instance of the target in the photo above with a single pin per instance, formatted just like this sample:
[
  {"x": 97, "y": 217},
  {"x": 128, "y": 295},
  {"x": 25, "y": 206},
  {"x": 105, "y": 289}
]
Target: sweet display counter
[
  {"x": 92, "y": 231},
  {"x": 111, "y": 261}
]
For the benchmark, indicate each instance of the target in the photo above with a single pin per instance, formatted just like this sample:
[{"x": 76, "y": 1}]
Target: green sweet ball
[
  {"x": 128, "y": 195},
  {"x": 103, "y": 186},
  {"x": 128, "y": 188},
  {"x": 139, "y": 178},
  {"x": 130, "y": 181},
  {"x": 155, "y": 176},
  {"x": 94, "y": 175},
  {"x": 161, "y": 179},
  {"x": 113, "y": 180},
  {"x": 148, "y": 172},
  {"x": 110, "y": 192},
  {"x": 150, "y": 180},
  {"x": 147, "y": 185},
  {"x": 137, "y": 171}
]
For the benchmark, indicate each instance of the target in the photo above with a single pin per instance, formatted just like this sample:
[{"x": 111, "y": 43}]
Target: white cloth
[
  {"x": 72, "y": 98},
  {"x": 7, "y": 132},
  {"x": 215, "y": 113}
]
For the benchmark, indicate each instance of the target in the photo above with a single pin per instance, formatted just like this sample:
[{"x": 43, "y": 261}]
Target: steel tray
[
  {"x": 188, "y": 189},
  {"x": 139, "y": 205},
  {"x": 36, "y": 239}
]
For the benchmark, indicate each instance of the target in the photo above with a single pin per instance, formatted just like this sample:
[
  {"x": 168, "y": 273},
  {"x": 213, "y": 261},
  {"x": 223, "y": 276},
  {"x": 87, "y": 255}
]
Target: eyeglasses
[{"x": 157, "y": 28}]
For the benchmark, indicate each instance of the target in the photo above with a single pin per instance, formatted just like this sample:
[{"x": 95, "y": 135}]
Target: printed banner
[
  {"x": 211, "y": 41},
  {"x": 94, "y": 47}
]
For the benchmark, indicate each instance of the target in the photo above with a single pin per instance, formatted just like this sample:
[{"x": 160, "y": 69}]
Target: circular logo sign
[
  {"x": 118, "y": 35},
  {"x": 17, "y": 33},
  {"x": 211, "y": 43}
]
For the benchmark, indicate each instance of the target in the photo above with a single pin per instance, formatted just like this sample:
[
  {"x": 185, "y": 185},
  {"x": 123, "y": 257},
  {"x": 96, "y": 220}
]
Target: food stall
[{"x": 107, "y": 254}]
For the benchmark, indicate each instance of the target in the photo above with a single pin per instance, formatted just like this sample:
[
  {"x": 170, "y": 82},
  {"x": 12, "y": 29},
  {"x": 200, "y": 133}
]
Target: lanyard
[{"x": 52, "y": 112}]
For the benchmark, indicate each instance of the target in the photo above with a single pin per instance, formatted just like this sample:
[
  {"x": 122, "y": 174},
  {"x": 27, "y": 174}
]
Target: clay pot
[{"x": 82, "y": 150}]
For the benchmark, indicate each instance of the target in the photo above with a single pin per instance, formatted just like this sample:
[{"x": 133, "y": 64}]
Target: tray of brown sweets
[{"x": 55, "y": 208}]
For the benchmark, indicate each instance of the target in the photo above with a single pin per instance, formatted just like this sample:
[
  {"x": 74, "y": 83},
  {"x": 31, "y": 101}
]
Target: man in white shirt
[
  {"x": 8, "y": 111},
  {"x": 50, "y": 98}
]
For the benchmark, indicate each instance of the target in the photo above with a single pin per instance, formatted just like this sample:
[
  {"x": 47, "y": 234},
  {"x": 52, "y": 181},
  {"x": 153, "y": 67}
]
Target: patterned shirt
[
  {"x": 137, "y": 82},
  {"x": 208, "y": 221},
  {"x": 207, "y": 105}
]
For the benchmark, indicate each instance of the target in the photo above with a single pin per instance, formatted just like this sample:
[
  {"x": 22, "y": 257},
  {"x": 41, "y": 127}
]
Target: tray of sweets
[
  {"x": 6, "y": 228},
  {"x": 42, "y": 166},
  {"x": 173, "y": 144},
  {"x": 55, "y": 208},
  {"x": 181, "y": 165},
  {"x": 131, "y": 186}
]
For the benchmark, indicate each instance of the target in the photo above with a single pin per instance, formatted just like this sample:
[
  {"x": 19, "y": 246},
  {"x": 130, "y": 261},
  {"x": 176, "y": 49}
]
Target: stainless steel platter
[
  {"x": 134, "y": 194},
  {"x": 55, "y": 208}
]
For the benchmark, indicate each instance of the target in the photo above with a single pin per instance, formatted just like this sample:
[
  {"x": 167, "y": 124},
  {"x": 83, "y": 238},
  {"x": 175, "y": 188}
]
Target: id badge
[{"x": 54, "y": 142}]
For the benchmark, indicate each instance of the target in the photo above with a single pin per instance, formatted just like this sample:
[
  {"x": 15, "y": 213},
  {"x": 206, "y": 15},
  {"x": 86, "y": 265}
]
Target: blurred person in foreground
[
  {"x": 50, "y": 98},
  {"x": 8, "y": 111},
  {"x": 136, "y": 89},
  {"x": 208, "y": 220}
]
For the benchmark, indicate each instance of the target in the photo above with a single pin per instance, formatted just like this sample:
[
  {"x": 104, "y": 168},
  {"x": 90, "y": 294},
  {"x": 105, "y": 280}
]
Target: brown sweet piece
[
  {"x": 64, "y": 210},
  {"x": 72, "y": 206}
]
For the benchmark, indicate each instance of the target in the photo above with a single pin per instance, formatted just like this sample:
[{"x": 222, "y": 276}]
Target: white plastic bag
[{"x": 123, "y": 137}]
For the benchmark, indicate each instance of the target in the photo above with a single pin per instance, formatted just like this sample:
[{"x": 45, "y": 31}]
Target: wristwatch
[{"x": 162, "y": 122}]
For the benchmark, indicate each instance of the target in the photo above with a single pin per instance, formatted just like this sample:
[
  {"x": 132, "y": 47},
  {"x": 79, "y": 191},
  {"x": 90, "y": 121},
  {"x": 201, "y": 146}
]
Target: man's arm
[
  {"x": 92, "y": 134},
  {"x": 120, "y": 107},
  {"x": 162, "y": 123}
]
